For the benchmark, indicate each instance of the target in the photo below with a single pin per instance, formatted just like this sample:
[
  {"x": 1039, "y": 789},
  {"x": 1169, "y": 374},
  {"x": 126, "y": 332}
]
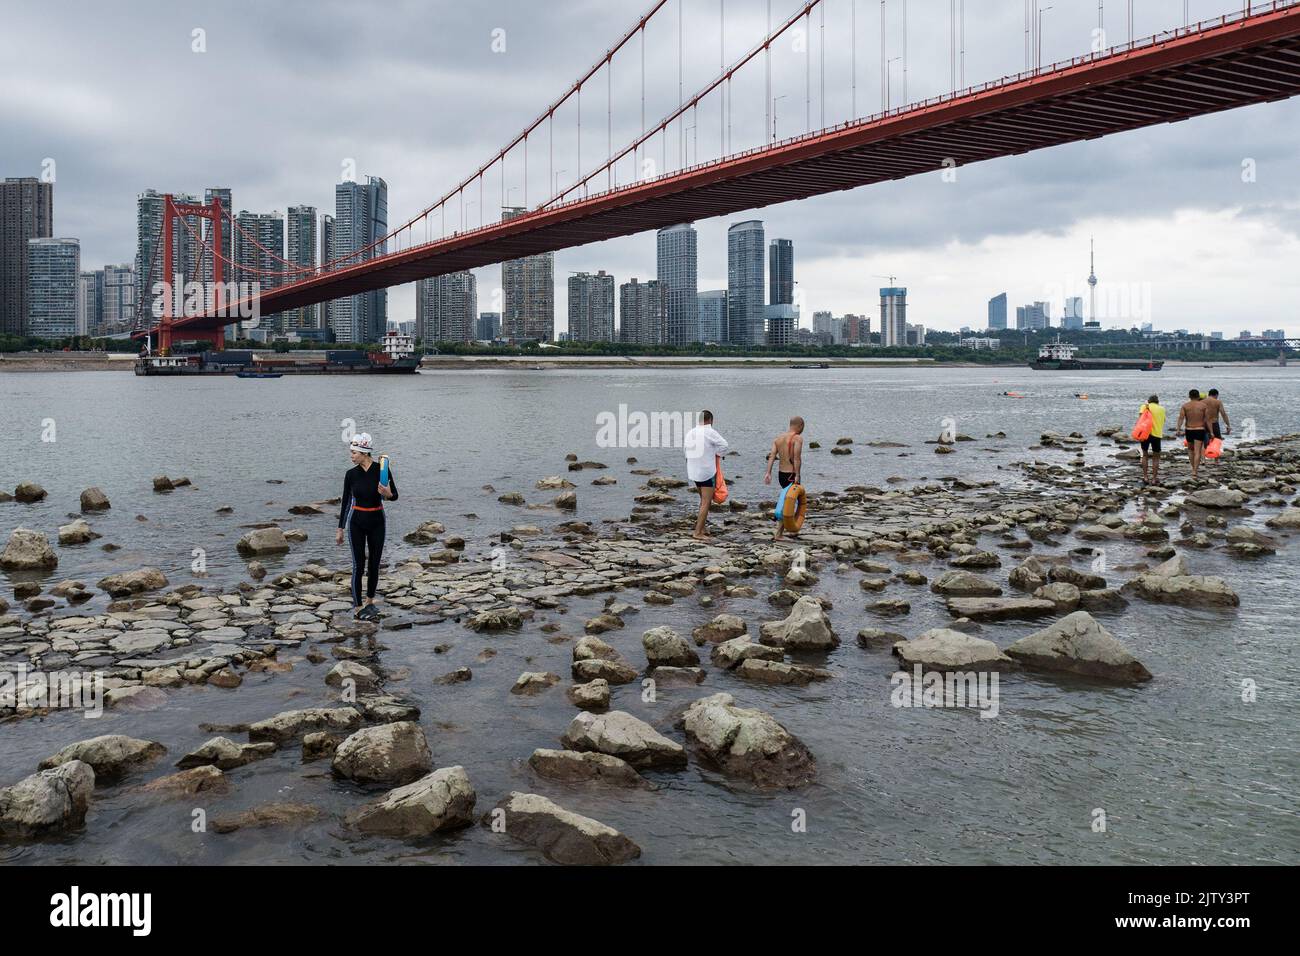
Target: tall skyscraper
[
  {"x": 1073, "y": 317},
  {"x": 678, "y": 263},
  {"x": 26, "y": 212},
  {"x": 713, "y": 315},
  {"x": 259, "y": 247},
  {"x": 90, "y": 303},
  {"x": 998, "y": 311},
  {"x": 591, "y": 307},
  {"x": 119, "y": 297},
  {"x": 745, "y": 315},
  {"x": 1032, "y": 316},
  {"x": 489, "y": 326},
  {"x": 642, "y": 313},
  {"x": 528, "y": 294},
  {"x": 326, "y": 255},
  {"x": 300, "y": 249},
  {"x": 780, "y": 272},
  {"x": 53, "y": 287},
  {"x": 446, "y": 308},
  {"x": 893, "y": 317},
  {"x": 189, "y": 261},
  {"x": 360, "y": 221}
]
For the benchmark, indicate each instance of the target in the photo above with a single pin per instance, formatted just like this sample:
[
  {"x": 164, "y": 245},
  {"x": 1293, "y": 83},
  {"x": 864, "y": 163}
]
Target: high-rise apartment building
[
  {"x": 489, "y": 326},
  {"x": 446, "y": 308},
  {"x": 1033, "y": 316},
  {"x": 893, "y": 317},
  {"x": 642, "y": 313},
  {"x": 53, "y": 287},
  {"x": 360, "y": 222},
  {"x": 745, "y": 307},
  {"x": 782, "y": 320},
  {"x": 713, "y": 315},
  {"x": 591, "y": 307},
  {"x": 190, "y": 263},
  {"x": 326, "y": 256},
  {"x": 90, "y": 303},
  {"x": 119, "y": 297},
  {"x": 780, "y": 272},
  {"x": 528, "y": 294},
  {"x": 259, "y": 249},
  {"x": 300, "y": 249},
  {"x": 677, "y": 270},
  {"x": 26, "y": 212}
]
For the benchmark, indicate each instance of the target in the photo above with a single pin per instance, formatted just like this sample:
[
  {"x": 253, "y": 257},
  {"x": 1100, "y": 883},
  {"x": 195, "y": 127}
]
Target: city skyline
[{"x": 1155, "y": 199}]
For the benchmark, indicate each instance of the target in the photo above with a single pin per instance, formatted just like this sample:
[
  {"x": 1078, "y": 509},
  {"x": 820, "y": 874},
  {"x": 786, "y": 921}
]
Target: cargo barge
[
  {"x": 1061, "y": 356},
  {"x": 396, "y": 356}
]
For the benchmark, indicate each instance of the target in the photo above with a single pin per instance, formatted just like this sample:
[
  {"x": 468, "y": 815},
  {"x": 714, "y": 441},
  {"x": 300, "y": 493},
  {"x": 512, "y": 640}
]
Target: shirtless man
[
  {"x": 1214, "y": 411},
  {"x": 1194, "y": 422},
  {"x": 787, "y": 448}
]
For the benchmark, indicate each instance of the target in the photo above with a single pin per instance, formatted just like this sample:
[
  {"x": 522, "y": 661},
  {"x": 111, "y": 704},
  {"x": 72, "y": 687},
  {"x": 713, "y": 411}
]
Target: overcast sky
[{"x": 283, "y": 95}]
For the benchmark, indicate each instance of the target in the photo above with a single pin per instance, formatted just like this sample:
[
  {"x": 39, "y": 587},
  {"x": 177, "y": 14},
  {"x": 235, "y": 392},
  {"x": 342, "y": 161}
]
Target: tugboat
[{"x": 1061, "y": 356}]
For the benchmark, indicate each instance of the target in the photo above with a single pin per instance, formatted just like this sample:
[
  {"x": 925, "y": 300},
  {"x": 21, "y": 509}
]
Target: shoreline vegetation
[{"x": 982, "y": 551}]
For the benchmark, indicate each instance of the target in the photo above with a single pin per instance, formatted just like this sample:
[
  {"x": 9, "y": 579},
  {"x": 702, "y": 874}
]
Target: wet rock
[
  {"x": 613, "y": 671},
  {"x": 553, "y": 483},
  {"x": 1102, "y": 599},
  {"x": 621, "y": 735},
  {"x": 580, "y": 465},
  {"x": 569, "y": 766},
  {"x": 261, "y": 541},
  {"x": 441, "y": 801},
  {"x": 965, "y": 584},
  {"x": 497, "y": 619},
  {"x": 603, "y": 622},
  {"x": 729, "y": 654},
  {"x": 1242, "y": 536},
  {"x": 1078, "y": 644},
  {"x": 943, "y": 649},
  {"x": 133, "y": 582},
  {"x": 724, "y": 627},
  {"x": 779, "y": 672},
  {"x": 28, "y": 492},
  {"x": 567, "y": 500},
  {"x": 163, "y": 483},
  {"x": 187, "y": 783},
  {"x": 225, "y": 677},
  {"x": 51, "y": 801},
  {"x": 593, "y": 695},
  {"x": 1188, "y": 590},
  {"x": 135, "y": 697},
  {"x": 28, "y": 550},
  {"x": 807, "y": 628},
  {"x": 999, "y": 609},
  {"x": 318, "y": 745},
  {"x": 664, "y": 647},
  {"x": 1029, "y": 575},
  {"x": 1216, "y": 498},
  {"x": 530, "y": 683},
  {"x": 392, "y": 754},
  {"x": 1290, "y": 519},
  {"x": 980, "y": 559},
  {"x": 748, "y": 743},
  {"x": 874, "y": 637},
  {"x": 873, "y": 584},
  {"x": 890, "y": 608},
  {"x": 267, "y": 815},
  {"x": 351, "y": 673},
  {"x": 76, "y": 532},
  {"x": 458, "y": 676},
  {"x": 426, "y": 533},
  {"x": 1083, "y": 580},
  {"x": 800, "y": 578},
  {"x": 256, "y": 570},
  {"x": 511, "y": 498},
  {"x": 1064, "y": 596},
  {"x": 292, "y": 724},
  {"x": 224, "y": 754},
  {"x": 111, "y": 756},
  {"x": 563, "y": 836}
]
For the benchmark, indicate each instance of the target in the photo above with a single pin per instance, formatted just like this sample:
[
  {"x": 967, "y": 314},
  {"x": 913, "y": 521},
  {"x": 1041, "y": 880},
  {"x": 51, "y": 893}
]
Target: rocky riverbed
[{"x": 1064, "y": 545}]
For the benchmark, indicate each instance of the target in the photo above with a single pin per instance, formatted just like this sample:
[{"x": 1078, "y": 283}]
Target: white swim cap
[{"x": 362, "y": 443}]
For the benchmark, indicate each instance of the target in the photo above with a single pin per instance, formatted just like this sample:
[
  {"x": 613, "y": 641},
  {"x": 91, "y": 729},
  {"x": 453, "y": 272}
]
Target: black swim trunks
[
  {"x": 1196, "y": 435},
  {"x": 706, "y": 484},
  {"x": 785, "y": 477},
  {"x": 1215, "y": 428},
  {"x": 1151, "y": 443}
]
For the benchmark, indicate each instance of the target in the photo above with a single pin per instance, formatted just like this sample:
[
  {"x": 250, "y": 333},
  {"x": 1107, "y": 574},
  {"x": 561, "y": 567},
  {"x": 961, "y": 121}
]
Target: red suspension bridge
[{"x": 1246, "y": 57}]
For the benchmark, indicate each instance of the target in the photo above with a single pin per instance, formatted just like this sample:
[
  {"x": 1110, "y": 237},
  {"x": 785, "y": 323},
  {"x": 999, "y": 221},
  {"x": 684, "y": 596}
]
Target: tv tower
[{"x": 1092, "y": 281}]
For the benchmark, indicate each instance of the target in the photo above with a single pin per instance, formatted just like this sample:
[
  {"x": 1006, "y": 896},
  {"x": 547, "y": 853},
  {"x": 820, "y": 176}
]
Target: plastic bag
[
  {"x": 1215, "y": 448},
  {"x": 1142, "y": 430},
  {"x": 719, "y": 483}
]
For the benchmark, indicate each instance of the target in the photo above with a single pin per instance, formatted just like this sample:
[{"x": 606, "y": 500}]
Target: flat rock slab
[
  {"x": 111, "y": 756},
  {"x": 999, "y": 609},
  {"x": 621, "y": 735},
  {"x": 562, "y": 835},
  {"x": 570, "y": 766},
  {"x": 440, "y": 801},
  {"x": 943, "y": 649}
]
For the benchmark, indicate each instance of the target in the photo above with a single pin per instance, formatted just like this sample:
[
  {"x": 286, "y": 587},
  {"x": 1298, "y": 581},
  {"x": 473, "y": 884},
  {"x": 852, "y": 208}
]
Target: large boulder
[
  {"x": 563, "y": 836},
  {"x": 427, "y": 533},
  {"x": 664, "y": 647},
  {"x": 28, "y": 550},
  {"x": 261, "y": 541},
  {"x": 442, "y": 800},
  {"x": 965, "y": 584},
  {"x": 1078, "y": 644},
  {"x": 730, "y": 654},
  {"x": 748, "y": 743},
  {"x": 1290, "y": 518},
  {"x": 943, "y": 649},
  {"x": 393, "y": 754},
  {"x": 292, "y": 724},
  {"x": 111, "y": 756},
  {"x": 29, "y": 492},
  {"x": 1064, "y": 595},
  {"x": 807, "y": 628},
  {"x": 999, "y": 609},
  {"x": 51, "y": 801},
  {"x": 621, "y": 735},
  {"x": 1028, "y": 575},
  {"x": 92, "y": 499},
  {"x": 1188, "y": 590},
  {"x": 133, "y": 582},
  {"x": 779, "y": 672},
  {"x": 570, "y": 766},
  {"x": 224, "y": 754}
]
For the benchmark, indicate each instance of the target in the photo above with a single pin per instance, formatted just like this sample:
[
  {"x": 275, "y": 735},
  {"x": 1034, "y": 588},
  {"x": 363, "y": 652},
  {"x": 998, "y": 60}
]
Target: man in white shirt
[{"x": 703, "y": 446}]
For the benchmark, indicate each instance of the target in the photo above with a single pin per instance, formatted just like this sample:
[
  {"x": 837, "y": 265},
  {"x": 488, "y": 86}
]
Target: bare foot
[{"x": 702, "y": 537}]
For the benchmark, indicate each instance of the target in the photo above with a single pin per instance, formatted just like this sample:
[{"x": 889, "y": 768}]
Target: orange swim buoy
[{"x": 792, "y": 507}]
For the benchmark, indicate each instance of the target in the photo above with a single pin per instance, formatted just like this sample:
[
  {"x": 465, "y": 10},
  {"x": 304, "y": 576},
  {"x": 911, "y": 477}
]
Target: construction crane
[{"x": 890, "y": 278}]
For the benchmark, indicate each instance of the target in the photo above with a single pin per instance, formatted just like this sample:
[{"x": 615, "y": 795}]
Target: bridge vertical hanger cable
[
  {"x": 952, "y": 45},
  {"x": 767, "y": 60},
  {"x": 853, "y": 59},
  {"x": 807, "y": 72},
  {"x": 821, "y": 67},
  {"x": 722, "y": 68},
  {"x": 609, "y": 120},
  {"x": 904, "y": 52},
  {"x": 962, "y": 8},
  {"x": 884, "y": 64},
  {"x": 681, "y": 90}
]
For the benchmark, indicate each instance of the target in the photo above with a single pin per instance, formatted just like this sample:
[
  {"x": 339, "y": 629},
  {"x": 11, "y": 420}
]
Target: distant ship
[
  {"x": 396, "y": 356},
  {"x": 1061, "y": 356}
]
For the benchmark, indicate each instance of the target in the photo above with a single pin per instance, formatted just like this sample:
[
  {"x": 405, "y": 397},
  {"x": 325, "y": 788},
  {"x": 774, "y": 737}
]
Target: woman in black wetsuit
[{"x": 361, "y": 517}]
